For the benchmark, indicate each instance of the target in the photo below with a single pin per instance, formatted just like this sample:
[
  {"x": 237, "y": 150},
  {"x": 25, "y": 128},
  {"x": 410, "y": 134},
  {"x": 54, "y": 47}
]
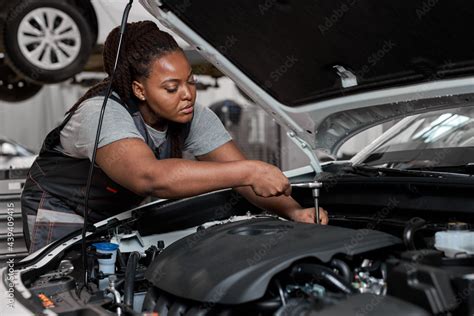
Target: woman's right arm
[{"x": 132, "y": 164}]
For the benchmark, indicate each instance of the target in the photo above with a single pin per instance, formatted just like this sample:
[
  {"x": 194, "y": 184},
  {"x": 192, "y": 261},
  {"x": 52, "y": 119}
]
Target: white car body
[{"x": 109, "y": 14}]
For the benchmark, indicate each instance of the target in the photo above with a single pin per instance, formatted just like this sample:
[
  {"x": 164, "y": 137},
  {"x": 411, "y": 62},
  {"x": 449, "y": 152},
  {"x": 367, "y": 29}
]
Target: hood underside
[{"x": 296, "y": 58}]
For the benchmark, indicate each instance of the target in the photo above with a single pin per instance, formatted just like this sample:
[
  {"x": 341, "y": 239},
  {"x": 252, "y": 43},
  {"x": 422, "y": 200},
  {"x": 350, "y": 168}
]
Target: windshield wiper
[{"x": 369, "y": 171}]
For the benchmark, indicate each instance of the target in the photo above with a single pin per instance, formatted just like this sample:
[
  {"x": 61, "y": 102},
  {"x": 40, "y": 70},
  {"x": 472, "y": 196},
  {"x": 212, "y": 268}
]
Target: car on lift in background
[
  {"x": 14, "y": 155},
  {"x": 49, "y": 41}
]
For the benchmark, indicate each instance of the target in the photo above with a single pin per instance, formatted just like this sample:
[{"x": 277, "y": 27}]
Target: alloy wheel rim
[{"x": 49, "y": 38}]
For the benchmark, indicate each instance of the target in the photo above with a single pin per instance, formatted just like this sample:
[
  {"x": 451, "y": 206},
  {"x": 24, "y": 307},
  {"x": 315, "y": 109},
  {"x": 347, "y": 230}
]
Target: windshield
[{"x": 436, "y": 139}]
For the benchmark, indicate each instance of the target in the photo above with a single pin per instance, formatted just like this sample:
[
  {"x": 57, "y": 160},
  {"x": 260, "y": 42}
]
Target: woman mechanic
[{"x": 150, "y": 119}]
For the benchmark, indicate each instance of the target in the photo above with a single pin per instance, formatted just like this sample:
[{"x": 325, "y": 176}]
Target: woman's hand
[
  {"x": 307, "y": 215},
  {"x": 267, "y": 180}
]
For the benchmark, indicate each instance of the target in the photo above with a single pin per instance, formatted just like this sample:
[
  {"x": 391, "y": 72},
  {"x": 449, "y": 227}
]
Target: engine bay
[
  {"x": 224, "y": 261},
  {"x": 259, "y": 265}
]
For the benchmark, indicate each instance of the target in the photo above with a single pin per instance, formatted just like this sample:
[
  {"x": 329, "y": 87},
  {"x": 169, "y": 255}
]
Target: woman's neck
[{"x": 152, "y": 119}]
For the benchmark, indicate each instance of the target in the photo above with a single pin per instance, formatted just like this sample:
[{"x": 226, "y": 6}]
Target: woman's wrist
[
  {"x": 248, "y": 171},
  {"x": 287, "y": 207}
]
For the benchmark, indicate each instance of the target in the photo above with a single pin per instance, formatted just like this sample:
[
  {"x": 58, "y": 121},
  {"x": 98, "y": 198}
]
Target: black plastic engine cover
[
  {"x": 233, "y": 263},
  {"x": 371, "y": 305}
]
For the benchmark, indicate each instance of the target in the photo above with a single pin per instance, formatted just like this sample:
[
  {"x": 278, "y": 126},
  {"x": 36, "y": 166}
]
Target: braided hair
[{"x": 143, "y": 42}]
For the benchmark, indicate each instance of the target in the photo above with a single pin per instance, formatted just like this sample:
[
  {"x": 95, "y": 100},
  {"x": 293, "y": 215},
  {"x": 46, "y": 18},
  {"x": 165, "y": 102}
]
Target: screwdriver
[{"x": 314, "y": 186}]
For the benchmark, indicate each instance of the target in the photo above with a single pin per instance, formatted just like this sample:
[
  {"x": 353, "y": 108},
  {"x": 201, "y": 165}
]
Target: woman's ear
[{"x": 138, "y": 90}]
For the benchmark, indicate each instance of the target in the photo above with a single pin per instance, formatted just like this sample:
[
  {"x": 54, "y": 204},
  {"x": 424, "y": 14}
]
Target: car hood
[{"x": 328, "y": 70}]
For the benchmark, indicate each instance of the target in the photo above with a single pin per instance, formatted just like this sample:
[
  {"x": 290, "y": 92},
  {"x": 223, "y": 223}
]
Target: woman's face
[{"x": 169, "y": 92}]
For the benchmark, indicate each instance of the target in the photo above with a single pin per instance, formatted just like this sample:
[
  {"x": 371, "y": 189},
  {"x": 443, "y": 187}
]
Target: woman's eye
[{"x": 171, "y": 90}]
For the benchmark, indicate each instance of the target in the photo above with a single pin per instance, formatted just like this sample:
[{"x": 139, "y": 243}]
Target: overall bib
[{"x": 52, "y": 200}]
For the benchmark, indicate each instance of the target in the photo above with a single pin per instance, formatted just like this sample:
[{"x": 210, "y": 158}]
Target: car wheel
[
  {"x": 47, "y": 41},
  {"x": 13, "y": 87}
]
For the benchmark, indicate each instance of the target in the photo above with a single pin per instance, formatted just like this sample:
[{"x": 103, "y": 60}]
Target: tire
[
  {"x": 47, "y": 41},
  {"x": 13, "y": 87}
]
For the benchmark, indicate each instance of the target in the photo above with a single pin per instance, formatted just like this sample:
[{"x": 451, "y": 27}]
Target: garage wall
[
  {"x": 28, "y": 122},
  {"x": 291, "y": 155}
]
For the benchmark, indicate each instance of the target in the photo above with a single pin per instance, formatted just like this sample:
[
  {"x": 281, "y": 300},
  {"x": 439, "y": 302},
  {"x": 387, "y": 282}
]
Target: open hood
[{"x": 329, "y": 69}]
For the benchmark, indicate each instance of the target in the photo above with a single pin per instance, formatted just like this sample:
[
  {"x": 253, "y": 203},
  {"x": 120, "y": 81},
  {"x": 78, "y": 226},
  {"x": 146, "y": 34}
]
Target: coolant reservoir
[{"x": 457, "y": 240}]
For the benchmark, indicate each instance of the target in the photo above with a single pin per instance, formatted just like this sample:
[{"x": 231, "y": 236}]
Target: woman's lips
[{"x": 188, "y": 110}]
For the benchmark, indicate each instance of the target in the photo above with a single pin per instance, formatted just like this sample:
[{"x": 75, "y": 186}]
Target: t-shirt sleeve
[
  {"x": 78, "y": 136},
  {"x": 207, "y": 132}
]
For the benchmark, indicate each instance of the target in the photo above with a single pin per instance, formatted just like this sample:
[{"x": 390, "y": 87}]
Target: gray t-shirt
[{"x": 78, "y": 136}]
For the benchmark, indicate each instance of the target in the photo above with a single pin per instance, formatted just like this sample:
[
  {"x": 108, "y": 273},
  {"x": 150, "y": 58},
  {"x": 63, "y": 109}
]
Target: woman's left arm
[{"x": 283, "y": 205}]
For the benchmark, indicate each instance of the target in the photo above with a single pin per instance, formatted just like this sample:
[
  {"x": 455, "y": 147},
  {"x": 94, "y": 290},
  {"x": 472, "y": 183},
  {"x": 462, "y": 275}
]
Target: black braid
[{"x": 143, "y": 42}]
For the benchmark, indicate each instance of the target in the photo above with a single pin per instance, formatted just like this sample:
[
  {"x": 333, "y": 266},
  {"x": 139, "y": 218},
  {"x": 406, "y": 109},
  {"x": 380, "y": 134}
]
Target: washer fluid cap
[
  {"x": 105, "y": 246},
  {"x": 458, "y": 226}
]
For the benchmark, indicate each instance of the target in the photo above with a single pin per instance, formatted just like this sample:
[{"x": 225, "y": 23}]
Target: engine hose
[
  {"x": 150, "y": 299},
  {"x": 343, "y": 268},
  {"x": 280, "y": 292},
  {"x": 121, "y": 260},
  {"x": 323, "y": 274},
  {"x": 269, "y": 305},
  {"x": 130, "y": 278},
  {"x": 411, "y": 228}
]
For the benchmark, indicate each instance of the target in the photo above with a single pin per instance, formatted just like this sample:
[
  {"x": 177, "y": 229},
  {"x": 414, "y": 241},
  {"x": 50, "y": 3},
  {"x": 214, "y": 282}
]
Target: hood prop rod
[{"x": 306, "y": 148}]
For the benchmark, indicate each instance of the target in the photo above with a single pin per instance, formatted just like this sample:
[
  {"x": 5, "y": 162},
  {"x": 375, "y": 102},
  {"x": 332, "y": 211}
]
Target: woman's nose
[{"x": 187, "y": 93}]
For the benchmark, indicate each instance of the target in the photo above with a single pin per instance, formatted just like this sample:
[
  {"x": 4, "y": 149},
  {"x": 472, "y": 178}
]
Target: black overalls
[{"x": 53, "y": 197}]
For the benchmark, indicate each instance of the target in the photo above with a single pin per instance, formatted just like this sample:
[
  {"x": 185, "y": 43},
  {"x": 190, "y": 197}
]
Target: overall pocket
[{"x": 52, "y": 225}]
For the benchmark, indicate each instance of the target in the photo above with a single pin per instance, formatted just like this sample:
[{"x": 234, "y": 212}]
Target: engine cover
[{"x": 233, "y": 263}]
